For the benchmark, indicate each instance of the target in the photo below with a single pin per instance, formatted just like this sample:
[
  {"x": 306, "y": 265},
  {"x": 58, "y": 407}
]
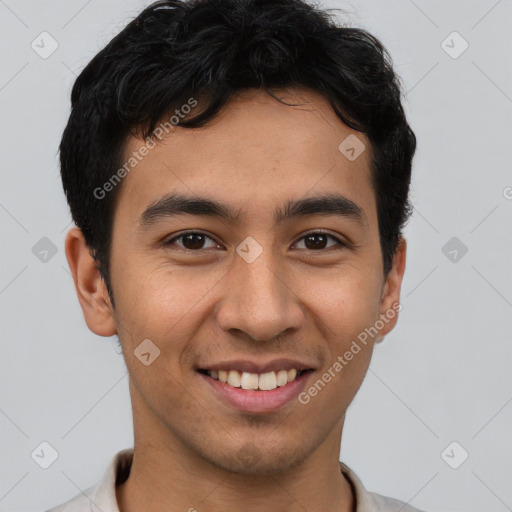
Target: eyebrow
[{"x": 175, "y": 204}]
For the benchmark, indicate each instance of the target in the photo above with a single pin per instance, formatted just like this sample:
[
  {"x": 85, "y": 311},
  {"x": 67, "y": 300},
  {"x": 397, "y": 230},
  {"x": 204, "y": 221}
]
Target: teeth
[
  {"x": 281, "y": 377},
  {"x": 245, "y": 380},
  {"x": 234, "y": 378},
  {"x": 249, "y": 381},
  {"x": 268, "y": 381}
]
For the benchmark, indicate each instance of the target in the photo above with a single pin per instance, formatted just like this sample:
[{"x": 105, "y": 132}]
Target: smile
[
  {"x": 255, "y": 381},
  {"x": 255, "y": 392}
]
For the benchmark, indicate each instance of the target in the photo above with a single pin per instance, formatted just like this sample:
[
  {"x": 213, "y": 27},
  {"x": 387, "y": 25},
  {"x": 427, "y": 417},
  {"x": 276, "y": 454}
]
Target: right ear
[{"x": 89, "y": 285}]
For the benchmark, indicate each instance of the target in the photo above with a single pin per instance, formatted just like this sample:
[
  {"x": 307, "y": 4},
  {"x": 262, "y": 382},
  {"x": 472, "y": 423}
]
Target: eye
[
  {"x": 318, "y": 240},
  {"x": 192, "y": 240},
  {"x": 195, "y": 241}
]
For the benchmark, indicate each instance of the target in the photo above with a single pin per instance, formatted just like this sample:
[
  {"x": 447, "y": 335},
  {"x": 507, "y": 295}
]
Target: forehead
[{"x": 253, "y": 152}]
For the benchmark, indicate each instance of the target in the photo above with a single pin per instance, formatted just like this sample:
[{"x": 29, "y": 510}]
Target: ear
[
  {"x": 90, "y": 286},
  {"x": 390, "y": 298}
]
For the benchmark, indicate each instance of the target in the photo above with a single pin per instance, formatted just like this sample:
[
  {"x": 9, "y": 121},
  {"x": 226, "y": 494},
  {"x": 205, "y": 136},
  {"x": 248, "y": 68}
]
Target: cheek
[
  {"x": 345, "y": 322},
  {"x": 331, "y": 389},
  {"x": 345, "y": 311},
  {"x": 345, "y": 302},
  {"x": 159, "y": 303}
]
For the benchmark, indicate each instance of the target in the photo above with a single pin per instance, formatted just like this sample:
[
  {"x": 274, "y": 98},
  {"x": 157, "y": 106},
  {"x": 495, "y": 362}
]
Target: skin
[{"x": 211, "y": 305}]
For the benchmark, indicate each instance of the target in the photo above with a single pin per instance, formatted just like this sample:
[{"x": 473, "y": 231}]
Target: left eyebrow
[
  {"x": 175, "y": 204},
  {"x": 326, "y": 204}
]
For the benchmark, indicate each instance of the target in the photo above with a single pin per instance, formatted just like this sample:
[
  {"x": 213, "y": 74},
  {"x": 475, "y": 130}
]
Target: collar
[{"x": 103, "y": 496}]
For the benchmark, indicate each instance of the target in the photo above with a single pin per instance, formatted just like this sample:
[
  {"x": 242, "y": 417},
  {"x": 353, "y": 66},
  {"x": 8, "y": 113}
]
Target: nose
[{"x": 258, "y": 300}]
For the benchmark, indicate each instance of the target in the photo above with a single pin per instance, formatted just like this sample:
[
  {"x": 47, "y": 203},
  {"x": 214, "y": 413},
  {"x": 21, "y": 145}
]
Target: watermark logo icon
[
  {"x": 44, "y": 455},
  {"x": 146, "y": 352},
  {"x": 44, "y": 45},
  {"x": 249, "y": 249},
  {"x": 454, "y": 455},
  {"x": 454, "y": 249},
  {"x": 44, "y": 250},
  {"x": 454, "y": 45},
  {"x": 352, "y": 147}
]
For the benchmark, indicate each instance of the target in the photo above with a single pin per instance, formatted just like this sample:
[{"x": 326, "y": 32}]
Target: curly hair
[{"x": 211, "y": 49}]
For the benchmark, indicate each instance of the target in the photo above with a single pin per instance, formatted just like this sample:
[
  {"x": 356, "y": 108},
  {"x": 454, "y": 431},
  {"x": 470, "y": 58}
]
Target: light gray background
[{"x": 442, "y": 375}]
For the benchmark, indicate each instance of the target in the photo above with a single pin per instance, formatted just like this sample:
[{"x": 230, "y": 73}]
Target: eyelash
[{"x": 318, "y": 232}]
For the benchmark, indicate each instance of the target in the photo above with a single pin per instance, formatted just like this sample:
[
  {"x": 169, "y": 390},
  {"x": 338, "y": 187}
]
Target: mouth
[
  {"x": 255, "y": 381},
  {"x": 255, "y": 392}
]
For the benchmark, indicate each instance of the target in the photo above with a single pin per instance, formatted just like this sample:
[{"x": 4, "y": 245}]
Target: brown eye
[
  {"x": 192, "y": 240},
  {"x": 318, "y": 241}
]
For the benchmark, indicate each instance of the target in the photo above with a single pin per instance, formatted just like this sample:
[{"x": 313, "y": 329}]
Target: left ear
[{"x": 390, "y": 298}]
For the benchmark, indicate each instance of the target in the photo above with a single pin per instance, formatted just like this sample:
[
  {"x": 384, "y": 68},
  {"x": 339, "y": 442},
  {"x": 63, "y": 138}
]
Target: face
[{"x": 276, "y": 278}]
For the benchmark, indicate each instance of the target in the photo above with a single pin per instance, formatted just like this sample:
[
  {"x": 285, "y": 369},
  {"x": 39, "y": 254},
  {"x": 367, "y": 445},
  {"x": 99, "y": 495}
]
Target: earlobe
[
  {"x": 390, "y": 300},
  {"x": 89, "y": 285}
]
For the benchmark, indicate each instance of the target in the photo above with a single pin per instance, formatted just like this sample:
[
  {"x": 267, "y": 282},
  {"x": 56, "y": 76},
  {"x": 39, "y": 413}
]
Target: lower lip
[{"x": 258, "y": 401}]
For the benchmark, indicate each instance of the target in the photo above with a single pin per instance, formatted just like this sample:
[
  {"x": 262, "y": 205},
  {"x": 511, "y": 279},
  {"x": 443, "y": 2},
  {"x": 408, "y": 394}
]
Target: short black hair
[{"x": 210, "y": 49}]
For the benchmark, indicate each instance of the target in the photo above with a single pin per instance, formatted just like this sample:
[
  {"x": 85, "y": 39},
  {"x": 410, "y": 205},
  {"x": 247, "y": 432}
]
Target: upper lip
[{"x": 244, "y": 365}]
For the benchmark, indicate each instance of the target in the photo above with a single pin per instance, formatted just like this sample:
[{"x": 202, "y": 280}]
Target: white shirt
[{"x": 102, "y": 497}]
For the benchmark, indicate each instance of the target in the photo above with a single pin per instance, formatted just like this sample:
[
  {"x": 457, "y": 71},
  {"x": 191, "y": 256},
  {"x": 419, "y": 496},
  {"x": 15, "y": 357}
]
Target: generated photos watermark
[
  {"x": 143, "y": 151},
  {"x": 354, "y": 349}
]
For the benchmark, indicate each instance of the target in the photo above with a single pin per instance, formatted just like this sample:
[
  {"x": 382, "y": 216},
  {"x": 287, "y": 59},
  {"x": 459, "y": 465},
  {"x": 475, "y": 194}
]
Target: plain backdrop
[{"x": 439, "y": 387}]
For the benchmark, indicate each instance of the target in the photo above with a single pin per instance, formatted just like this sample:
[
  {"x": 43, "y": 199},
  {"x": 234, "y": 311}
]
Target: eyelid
[
  {"x": 169, "y": 241},
  {"x": 322, "y": 232},
  {"x": 339, "y": 241}
]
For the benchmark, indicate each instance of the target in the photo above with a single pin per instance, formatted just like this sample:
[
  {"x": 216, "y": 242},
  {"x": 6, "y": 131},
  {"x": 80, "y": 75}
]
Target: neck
[
  {"x": 168, "y": 475},
  {"x": 159, "y": 482}
]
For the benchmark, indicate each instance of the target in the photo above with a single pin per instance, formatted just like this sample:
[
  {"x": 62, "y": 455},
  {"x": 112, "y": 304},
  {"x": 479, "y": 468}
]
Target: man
[{"x": 238, "y": 172}]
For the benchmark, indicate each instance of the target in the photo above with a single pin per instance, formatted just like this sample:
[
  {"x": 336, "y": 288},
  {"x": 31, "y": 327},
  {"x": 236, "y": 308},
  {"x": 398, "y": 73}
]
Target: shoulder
[
  {"x": 101, "y": 497},
  {"x": 387, "y": 504},
  {"x": 367, "y": 501},
  {"x": 79, "y": 503}
]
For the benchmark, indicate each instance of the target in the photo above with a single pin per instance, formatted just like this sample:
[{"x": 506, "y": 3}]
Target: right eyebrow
[{"x": 172, "y": 205}]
